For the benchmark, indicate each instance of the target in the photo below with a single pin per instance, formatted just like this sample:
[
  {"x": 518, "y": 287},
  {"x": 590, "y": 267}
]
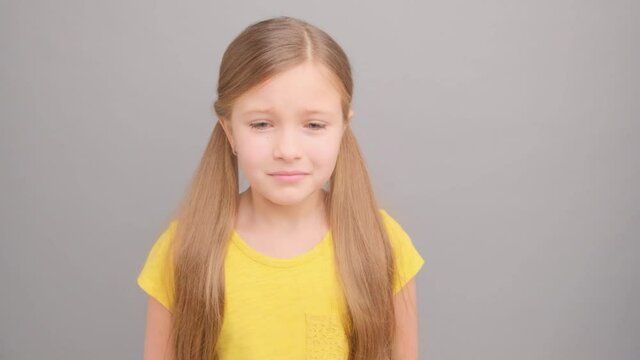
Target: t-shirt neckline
[{"x": 280, "y": 262}]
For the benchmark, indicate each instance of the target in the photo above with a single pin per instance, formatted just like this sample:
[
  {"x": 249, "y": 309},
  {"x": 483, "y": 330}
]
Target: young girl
[{"x": 287, "y": 269}]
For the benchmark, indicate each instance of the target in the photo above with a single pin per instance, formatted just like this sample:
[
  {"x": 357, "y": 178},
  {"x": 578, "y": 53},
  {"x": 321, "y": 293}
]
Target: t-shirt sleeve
[
  {"x": 408, "y": 259},
  {"x": 156, "y": 277}
]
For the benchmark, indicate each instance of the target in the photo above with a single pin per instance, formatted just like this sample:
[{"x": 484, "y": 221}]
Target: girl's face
[{"x": 291, "y": 123}]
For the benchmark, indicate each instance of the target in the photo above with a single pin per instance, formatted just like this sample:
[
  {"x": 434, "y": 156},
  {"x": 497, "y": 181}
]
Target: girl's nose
[{"x": 286, "y": 145}]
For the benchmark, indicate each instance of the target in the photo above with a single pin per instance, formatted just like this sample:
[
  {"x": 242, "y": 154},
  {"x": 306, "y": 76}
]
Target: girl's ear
[
  {"x": 348, "y": 122},
  {"x": 227, "y": 129}
]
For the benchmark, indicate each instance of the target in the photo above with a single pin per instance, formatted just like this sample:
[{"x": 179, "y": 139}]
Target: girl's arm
[
  {"x": 156, "y": 338},
  {"x": 406, "y": 343}
]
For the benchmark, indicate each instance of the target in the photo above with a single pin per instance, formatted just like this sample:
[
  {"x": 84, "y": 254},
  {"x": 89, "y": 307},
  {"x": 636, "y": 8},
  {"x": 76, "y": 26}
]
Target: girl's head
[
  {"x": 284, "y": 104},
  {"x": 285, "y": 92}
]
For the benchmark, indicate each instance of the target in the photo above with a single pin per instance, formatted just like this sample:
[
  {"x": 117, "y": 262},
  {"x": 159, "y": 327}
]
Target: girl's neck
[{"x": 257, "y": 212}]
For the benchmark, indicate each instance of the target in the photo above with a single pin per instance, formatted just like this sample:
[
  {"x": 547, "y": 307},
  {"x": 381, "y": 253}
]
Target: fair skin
[
  {"x": 156, "y": 336},
  {"x": 292, "y": 122},
  {"x": 404, "y": 304}
]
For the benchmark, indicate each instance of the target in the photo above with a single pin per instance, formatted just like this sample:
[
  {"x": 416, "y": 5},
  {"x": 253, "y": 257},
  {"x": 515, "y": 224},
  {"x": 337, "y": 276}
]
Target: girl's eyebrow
[
  {"x": 266, "y": 111},
  {"x": 271, "y": 111}
]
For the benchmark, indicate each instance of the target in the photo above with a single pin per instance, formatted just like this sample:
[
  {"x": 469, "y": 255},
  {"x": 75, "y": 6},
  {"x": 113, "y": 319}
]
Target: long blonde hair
[{"x": 364, "y": 257}]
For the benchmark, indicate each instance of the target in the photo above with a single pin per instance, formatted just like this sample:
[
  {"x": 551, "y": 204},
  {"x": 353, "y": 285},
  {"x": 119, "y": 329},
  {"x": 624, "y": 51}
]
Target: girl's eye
[
  {"x": 317, "y": 126},
  {"x": 261, "y": 125},
  {"x": 257, "y": 125}
]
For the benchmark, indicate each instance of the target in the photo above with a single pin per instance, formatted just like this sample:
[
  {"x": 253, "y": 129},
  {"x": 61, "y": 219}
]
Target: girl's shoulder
[
  {"x": 393, "y": 226},
  {"x": 156, "y": 277},
  {"x": 408, "y": 259}
]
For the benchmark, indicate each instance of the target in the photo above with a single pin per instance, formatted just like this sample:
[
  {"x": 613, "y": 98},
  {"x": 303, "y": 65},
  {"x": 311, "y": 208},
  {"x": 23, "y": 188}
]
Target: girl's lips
[
  {"x": 295, "y": 172},
  {"x": 290, "y": 178}
]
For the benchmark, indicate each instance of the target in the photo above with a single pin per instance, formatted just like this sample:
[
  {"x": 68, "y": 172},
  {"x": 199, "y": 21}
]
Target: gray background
[{"x": 502, "y": 135}]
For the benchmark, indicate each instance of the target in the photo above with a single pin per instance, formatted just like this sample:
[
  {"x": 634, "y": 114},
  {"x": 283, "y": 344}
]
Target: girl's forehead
[{"x": 304, "y": 88}]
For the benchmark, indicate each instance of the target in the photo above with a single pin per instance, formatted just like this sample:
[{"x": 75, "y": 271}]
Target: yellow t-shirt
[{"x": 278, "y": 308}]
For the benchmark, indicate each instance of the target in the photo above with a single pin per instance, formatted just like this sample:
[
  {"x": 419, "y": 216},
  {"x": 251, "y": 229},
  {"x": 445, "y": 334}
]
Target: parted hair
[{"x": 206, "y": 214}]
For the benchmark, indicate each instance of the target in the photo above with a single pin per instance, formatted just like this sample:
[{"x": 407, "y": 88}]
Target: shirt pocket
[{"x": 325, "y": 337}]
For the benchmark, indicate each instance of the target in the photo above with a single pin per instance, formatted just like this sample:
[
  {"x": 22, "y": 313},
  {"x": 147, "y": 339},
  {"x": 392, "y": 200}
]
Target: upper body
[
  {"x": 284, "y": 119},
  {"x": 282, "y": 308}
]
